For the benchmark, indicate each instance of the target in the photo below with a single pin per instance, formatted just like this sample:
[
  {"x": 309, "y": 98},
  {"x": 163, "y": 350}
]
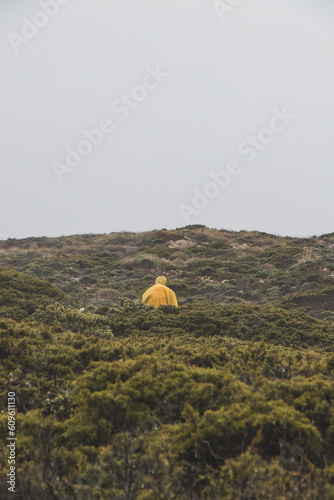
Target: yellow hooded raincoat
[{"x": 159, "y": 294}]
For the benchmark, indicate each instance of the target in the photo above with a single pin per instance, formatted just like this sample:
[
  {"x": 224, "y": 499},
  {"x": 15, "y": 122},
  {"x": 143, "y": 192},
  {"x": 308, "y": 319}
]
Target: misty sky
[{"x": 184, "y": 90}]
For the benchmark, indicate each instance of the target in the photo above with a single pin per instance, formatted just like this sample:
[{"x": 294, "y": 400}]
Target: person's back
[{"x": 159, "y": 294}]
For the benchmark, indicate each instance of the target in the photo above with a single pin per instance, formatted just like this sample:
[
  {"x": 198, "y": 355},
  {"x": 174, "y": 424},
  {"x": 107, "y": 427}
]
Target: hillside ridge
[
  {"x": 224, "y": 267},
  {"x": 229, "y": 396}
]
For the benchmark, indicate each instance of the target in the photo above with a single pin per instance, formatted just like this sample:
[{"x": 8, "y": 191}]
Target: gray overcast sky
[{"x": 227, "y": 74}]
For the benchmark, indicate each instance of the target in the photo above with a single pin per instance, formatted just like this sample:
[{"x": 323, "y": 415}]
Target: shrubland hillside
[
  {"x": 230, "y": 396},
  {"x": 224, "y": 267}
]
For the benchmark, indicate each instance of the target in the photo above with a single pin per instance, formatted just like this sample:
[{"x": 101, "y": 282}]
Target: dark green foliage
[
  {"x": 319, "y": 302},
  {"x": 265, "y": 267},
  {"x": 21, "y": 295},
  {"x": 183, "y": 409},
  {"x": 230, "y": 396},
  {"x": 283, "y": 258}
]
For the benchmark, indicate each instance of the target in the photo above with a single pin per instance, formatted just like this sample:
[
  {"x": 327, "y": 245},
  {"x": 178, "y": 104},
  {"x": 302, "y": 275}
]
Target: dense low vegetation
[
  {"x": 231, "y": 396},
  {"x": 225, "y": 267}
]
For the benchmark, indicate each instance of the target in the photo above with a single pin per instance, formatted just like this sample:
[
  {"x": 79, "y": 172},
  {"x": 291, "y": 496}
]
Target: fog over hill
[{"x": 114, "y": 115}]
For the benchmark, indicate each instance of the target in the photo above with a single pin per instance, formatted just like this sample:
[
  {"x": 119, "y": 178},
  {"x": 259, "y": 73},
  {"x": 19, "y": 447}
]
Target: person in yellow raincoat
[{"x": 159, "y": 294}]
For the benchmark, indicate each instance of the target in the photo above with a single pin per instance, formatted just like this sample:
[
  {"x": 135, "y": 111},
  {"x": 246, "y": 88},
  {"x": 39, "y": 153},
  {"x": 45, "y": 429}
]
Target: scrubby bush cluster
[
  {"x": 228, "y": 399},
  {"x": 78, "y": 321},
  {"x": 222, "y": 266},
  {"x": 166, "y": 413}
]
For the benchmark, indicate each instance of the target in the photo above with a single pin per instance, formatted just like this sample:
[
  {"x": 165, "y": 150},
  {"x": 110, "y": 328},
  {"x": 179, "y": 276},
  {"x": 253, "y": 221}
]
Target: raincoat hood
[{"x": 161, "y": 280}]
